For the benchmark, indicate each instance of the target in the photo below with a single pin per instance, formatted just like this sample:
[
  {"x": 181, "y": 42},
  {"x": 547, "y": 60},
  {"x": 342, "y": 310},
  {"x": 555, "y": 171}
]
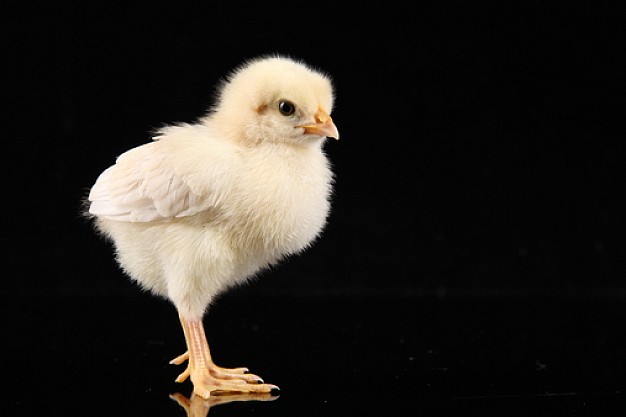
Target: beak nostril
[{"x": 321, "y": 118}]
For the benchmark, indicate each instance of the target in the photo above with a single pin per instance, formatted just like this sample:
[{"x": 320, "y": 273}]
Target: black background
[
  {"x": 474, "y": 259},
  {"x": 481, "y": 147}
]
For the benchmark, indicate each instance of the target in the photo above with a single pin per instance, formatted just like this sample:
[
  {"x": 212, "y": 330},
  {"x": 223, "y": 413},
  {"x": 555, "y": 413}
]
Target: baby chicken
[{"x": 206, "y": 206}]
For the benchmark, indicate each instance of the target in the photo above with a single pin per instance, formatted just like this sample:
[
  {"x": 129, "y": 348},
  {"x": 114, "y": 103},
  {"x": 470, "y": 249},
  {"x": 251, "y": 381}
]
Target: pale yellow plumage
[{"x": 206, "y": 206}]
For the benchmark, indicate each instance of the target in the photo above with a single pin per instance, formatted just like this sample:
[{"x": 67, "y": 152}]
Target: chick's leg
[
  {"x": 205, "y": 375},
  {"x": 200, "y": 343}
]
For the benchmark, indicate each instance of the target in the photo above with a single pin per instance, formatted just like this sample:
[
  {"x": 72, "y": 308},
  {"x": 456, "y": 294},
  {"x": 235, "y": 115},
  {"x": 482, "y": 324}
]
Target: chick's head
[{"x": 277, "y": 100}]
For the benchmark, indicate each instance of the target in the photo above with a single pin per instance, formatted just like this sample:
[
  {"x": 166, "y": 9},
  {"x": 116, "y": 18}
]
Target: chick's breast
[{"x": 284, "y": 201}]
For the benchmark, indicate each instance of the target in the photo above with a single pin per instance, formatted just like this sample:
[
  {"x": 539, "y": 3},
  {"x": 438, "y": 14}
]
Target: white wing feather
[{"x": 179, "y": 175}]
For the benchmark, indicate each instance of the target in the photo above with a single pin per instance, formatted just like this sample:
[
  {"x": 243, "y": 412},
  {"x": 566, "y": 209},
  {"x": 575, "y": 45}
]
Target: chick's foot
[
  {"x": 217, "y": 371},
  {"x": 205, "y": 375},
  {"x": 205, "y": 382}
]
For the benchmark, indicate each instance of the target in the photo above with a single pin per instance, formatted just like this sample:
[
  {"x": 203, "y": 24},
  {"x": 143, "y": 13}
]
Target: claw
[{"x": 273, "y": 387}]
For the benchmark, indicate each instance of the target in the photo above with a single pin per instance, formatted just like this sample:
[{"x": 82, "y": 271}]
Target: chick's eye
[{"x": 286, "y": 108}]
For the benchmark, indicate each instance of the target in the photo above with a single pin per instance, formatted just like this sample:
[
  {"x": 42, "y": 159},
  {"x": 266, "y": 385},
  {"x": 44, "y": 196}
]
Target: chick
[{"x": 206, "y": 206}]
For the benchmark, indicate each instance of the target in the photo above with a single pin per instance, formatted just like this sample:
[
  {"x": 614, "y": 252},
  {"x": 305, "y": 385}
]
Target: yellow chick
[{"x": 206, "y": 206}]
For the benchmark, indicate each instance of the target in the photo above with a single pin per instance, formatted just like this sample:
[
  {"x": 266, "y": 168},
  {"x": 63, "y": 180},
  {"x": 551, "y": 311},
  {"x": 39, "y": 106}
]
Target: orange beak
[{"x": 323, "y": 126}]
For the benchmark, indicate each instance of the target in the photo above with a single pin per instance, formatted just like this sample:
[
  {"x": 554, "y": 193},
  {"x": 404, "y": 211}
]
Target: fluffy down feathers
[{"x": 207, "y": 205}]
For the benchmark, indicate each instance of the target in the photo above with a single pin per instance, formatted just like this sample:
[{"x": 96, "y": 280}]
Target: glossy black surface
[
  {"x": 331, "y": 356},
  {"x": 474, "y": 259}
]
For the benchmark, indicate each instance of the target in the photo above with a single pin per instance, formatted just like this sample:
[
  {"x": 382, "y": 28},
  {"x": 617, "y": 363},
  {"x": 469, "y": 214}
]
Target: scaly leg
[{"x": 205, "y": 375}]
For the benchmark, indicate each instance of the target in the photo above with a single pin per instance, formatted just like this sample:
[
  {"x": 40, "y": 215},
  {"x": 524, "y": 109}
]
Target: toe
[
  {"x": 182, "y": 377},
  {"x": 180, "y": 359},
  {"x": 227, "y": 374},
  {"x": 237, "y": 371}
]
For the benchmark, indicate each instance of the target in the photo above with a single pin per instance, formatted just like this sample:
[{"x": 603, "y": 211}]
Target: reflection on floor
[
  {"x": 330, "y": 356},
  {"x": 197, "y": 406}
]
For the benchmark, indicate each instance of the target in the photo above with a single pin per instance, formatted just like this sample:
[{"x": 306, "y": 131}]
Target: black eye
[{"x": 286, "y": 108}]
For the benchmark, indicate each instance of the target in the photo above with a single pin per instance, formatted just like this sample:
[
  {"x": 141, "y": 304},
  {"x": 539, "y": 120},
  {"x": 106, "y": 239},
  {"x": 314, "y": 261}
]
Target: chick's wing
[{"x": 161, "y": 180}]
